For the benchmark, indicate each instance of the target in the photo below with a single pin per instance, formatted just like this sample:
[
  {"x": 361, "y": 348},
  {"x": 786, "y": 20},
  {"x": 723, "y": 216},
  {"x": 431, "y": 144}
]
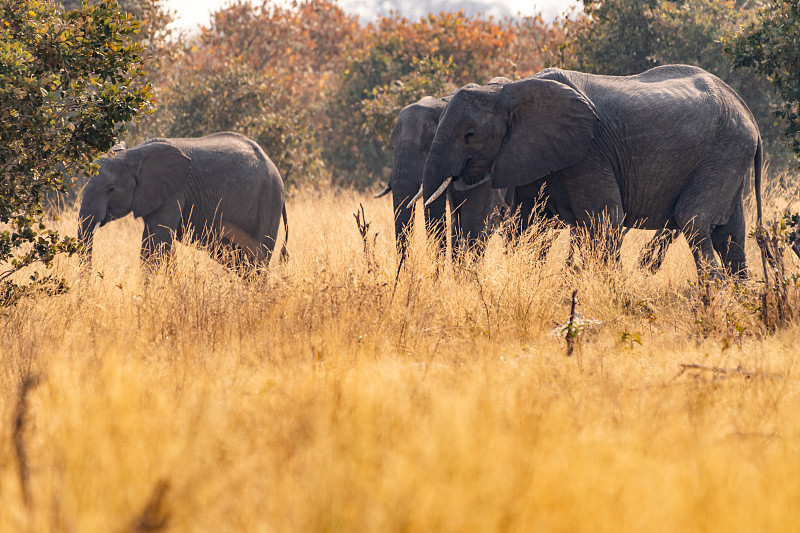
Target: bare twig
[
  {"x": 155, "y": 515},
  {"x": 397, "y": 276},
  {"x": 29, "y": 382}
]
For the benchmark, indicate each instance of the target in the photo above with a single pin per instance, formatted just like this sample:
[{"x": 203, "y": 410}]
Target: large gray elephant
[
  {"x": 220, "y": 190},
  {"x": 666, "y": 149},
  {"x": 470, "y": 205}
]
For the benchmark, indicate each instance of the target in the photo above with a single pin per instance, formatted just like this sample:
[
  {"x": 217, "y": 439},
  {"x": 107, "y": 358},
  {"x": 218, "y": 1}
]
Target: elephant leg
[
  {"x": 574, "y": 243},
  {"x": 694, "y": 209},
  {"x": 519, "y": 210},
  {"x": 713, "y": 194},
  {"x": 605, "y": 233},
  {"x": 728, "y": 241},
  {"x": 402, "y": 193},
  {"x": 234, "y": 257},
  {"x": 157, "y": 243},
  {"x": 160, "y": 228},
  {"x": 530, "y": 210},
  {"x": 654, "y": 252},
  {"x": 471, "y": 210},
  {"x": 698, "y": 235},
  {"x": 597, "y": 207},
  {"x": 436, "y": 224},
  {"x": 459, "y": 238}
]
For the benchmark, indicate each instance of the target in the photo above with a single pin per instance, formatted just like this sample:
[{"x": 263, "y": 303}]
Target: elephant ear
[
  {"x": 163, "y": 171},
  {"x": 551, "y": 127}
]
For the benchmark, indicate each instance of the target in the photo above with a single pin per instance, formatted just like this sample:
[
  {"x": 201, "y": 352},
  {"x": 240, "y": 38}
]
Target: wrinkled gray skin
[
  {"x": 471, "y": 206},
  {"x": 223, "y": 187},
  {"x": 666, "y": 149},
  {"x": 529, "y": 208}
]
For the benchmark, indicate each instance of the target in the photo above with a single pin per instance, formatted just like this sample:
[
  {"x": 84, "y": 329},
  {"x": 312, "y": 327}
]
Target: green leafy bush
[
  {"x": 770, "y": 45},
  {"x": 68, "y": 85},
  {"x": 623, "y": 37}
]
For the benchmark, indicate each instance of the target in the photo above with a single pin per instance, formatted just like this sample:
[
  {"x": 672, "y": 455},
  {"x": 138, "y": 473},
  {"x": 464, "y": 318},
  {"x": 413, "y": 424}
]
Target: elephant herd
[{"x": 669, "y": 149}]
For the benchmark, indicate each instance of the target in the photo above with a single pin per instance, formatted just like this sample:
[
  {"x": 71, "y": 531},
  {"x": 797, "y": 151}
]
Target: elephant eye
[
  {"x": 468, "y": 136},
  {"x": 111, "y": 188}
]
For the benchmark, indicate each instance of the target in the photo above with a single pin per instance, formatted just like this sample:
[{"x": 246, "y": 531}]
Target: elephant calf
[{"x": 222, "y": 189}]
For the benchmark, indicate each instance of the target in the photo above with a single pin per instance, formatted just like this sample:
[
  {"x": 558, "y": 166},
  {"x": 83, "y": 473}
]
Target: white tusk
[
  {"x": 384, "y": 192},
  {"x": 96, "y": 227},
  {"x": 416, "y": 197},
  {"x": 439, "y": 191}
]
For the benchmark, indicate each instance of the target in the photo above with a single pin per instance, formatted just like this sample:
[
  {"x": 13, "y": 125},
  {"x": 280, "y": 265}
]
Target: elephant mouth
[
  {"x": 108, "y": 217},
  {"x": 464, "y": 185},
  {"x": 474, "y": 172}
]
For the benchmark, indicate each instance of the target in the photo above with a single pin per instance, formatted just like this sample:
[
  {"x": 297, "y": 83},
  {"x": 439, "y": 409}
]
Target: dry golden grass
[{"x": 321, "y": 396}]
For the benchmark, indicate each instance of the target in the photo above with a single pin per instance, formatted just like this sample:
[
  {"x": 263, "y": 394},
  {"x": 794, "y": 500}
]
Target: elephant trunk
[
  {"x": 437, "y": 170},
  {"x": 403, "y": 213},
  {"x": 405, "y": 182},
  {"x": 90, "y": 217}
]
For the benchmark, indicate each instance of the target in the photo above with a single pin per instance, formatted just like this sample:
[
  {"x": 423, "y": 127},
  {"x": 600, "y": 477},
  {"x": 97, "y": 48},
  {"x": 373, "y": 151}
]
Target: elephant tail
[
  {"x": 284, "y": 251},
  {"x": 757, "y": 169}
]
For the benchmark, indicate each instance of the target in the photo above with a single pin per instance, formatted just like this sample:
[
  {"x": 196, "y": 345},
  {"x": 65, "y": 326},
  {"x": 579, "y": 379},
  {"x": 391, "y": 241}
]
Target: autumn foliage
[{"x": 319, "y": 90}]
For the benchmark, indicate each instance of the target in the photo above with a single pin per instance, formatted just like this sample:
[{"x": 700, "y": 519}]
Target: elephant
[
  {"x": 667, "y": 149},
  {"x": 470, "y": 205},
  {"x": 218, "y": 190}
]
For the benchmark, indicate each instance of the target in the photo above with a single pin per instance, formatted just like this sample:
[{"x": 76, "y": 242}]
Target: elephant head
[
  {"x": 411, "y": 140},
  {"x": 139, "y": 179},
  {"x": 520, "y": 132}
]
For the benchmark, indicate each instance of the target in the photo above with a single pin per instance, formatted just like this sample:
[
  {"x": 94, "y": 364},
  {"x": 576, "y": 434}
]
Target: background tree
[
  {"x": 67, "y": 88},
  {"x": 390, "y": 50},
  {"x": 157, "y": 34},
  {"x": 770, "y": 46},
  {"x": 262, "y": 70},
  {"x": 394, "y": 62},
  {"x": 623, "y": 37}
]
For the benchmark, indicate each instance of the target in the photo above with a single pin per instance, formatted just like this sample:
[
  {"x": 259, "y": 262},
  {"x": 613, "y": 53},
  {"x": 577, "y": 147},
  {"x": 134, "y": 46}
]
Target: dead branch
[
  {"x": 717, "y": 370},
  {"x": 363, "y": 230}
]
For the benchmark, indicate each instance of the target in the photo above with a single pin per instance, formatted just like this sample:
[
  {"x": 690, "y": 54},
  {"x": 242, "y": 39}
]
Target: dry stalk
[{"x": 571, "y": 329}]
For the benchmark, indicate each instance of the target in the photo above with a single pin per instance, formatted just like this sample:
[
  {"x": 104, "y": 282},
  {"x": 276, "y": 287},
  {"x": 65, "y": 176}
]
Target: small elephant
[
  {"x": 222, "y": 187},
  {"x": 666, "y": 149},
  {"x": 470, "y": 205}
]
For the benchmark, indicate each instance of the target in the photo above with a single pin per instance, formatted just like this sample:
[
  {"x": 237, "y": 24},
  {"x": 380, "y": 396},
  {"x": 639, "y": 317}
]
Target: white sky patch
[{"x": 191, "y": 14}]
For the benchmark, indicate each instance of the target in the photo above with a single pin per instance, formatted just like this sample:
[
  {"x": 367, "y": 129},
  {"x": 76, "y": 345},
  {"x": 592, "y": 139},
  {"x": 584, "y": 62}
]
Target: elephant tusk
[
  {"x": 416, "y": 197},
  {"x": 96, "y": 227},
  {"x": 439, "y": 191},
  {"x": 384, "y": 192}
]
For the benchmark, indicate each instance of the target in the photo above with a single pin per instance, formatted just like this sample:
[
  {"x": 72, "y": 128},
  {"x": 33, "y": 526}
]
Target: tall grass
[{"x": 328, "y": 395}]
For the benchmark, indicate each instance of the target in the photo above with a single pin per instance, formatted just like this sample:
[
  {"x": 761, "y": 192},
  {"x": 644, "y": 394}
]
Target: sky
[{"x": 193, "y": 13}]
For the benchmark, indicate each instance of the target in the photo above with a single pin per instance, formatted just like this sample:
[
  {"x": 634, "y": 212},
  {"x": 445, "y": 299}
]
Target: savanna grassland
[{"x": 325, "y": 396}]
